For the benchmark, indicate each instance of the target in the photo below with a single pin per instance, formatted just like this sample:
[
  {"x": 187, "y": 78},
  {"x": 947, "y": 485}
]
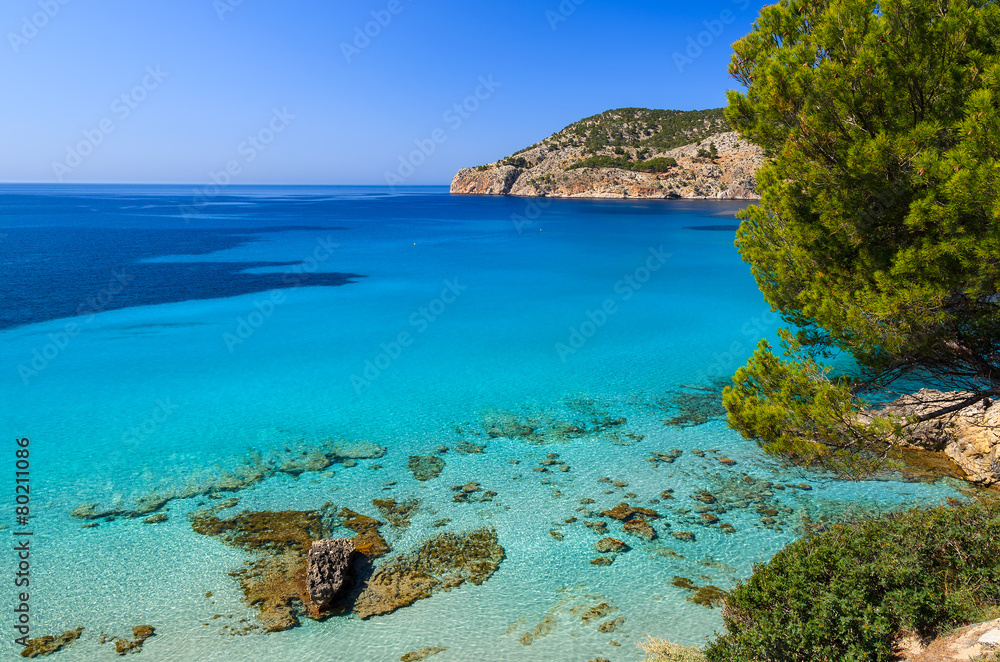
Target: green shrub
[
  {"x": 603, "y": 161},
  {"x": 659, "y": 164},
  {"x": 846, "y": 594}
]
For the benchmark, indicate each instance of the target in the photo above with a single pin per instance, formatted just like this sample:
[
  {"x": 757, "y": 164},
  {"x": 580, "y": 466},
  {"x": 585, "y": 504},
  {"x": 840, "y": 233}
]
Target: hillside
[{"x": 629, "y": 152}]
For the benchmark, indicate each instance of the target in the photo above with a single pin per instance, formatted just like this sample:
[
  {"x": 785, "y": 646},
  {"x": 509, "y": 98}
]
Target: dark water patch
[{"x": 58, "y": 272}]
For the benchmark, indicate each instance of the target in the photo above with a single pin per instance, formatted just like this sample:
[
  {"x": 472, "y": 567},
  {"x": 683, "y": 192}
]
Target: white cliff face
[{"x": 546, "y": 172}]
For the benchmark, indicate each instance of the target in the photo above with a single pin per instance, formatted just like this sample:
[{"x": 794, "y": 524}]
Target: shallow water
[{"x": 572, "y": 311}]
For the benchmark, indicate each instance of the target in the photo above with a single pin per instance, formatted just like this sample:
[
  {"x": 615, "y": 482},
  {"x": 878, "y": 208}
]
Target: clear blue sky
[{"x": 227, "y": 65}]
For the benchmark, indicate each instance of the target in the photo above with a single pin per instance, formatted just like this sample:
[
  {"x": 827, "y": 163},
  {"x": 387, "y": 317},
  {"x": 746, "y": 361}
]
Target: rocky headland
[{"x": 627, "y": 153}]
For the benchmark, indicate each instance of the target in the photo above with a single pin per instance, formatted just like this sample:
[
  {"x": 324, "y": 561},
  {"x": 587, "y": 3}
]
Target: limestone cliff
[
  {"x": 970, "y": 437},
  {"x": 630, "y": 142}
]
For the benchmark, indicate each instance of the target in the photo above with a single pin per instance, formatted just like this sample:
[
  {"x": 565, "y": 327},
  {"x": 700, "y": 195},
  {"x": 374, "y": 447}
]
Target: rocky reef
[
  {"x": 276, "y": 581},
  {"x": 252, "y": 470},
  {"x": 298, "y": 571},
  {"x": 441, "y": 563},
  {"x": 546, "y": 169}
]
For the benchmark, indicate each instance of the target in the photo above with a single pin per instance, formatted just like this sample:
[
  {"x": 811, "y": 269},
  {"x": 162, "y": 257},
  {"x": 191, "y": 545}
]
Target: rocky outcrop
[
  {"x": 491, "y": 181},
  {"x": 328, "y": 570},
  {"x": 970, "y": 436},
  {"x": 546, "y": 170},
  {"x": 973, "y": 642},
  {"x": 275, "y": 581}
]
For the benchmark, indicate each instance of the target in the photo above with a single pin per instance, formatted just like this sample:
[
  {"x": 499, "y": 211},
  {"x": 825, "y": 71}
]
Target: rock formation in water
[{"x": 329, "y": 570}]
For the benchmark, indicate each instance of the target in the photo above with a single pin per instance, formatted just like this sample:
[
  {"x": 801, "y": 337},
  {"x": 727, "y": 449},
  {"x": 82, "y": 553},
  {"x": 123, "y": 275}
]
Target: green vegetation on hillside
[
  {"x": 659, "y": 164},
  {"x": 641, "y": 127},
  {"x": 878, "y": 231},
  {"x": 848, "y": 594},
  {"x": 631, "y": 134}
]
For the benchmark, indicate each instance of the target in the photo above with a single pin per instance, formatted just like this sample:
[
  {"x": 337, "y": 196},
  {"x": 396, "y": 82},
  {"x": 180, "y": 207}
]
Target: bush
[
  {"x": 711, "y": 153},
  {"x": 516, "y": 161},
  {"x": 847, "y": 594},
  {"x": 659, "y": 164},
  {"x": 603, "y": 161}
]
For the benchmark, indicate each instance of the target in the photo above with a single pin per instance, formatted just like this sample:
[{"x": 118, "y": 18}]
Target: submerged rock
[
  {"x": 422, "y": 654},
  {"x": 467, "y": 448},
  {"x": 441, "y": 563},
  {"x": 368, "y": 541},
  {"x": 46, "y": 645},
  {"x": 612, "y": 625},
  {"x": 328, "y": 570},
  {"x": 399, "y": 513},
  {"x": 306, "y": 461},
  {"x": 639, "y": 527},
  {"x": 425, "y": 467},
  {"x": 141, "y": 634},
  {"x": 625, "y": 512},
  {"x": 605, "y": 545},
  {"x": 595, "y": 613},
  {"x": 265, "y": 531},
  {"x": 253, "y": 470},
  {"x": 706, "y": 596}
]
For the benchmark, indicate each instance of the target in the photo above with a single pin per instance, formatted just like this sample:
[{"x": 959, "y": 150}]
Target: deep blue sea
[{"x": 150, "y": 344}]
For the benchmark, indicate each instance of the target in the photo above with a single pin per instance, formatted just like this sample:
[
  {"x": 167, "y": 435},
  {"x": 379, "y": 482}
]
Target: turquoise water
[{"x": 569, "y": 311}]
